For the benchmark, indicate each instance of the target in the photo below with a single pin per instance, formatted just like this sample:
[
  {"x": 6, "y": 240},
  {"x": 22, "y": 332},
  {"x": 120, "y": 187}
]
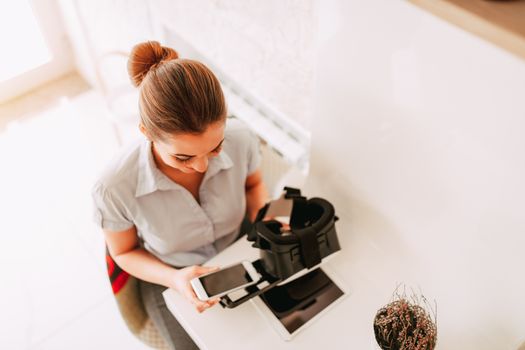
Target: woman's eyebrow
[{"x": 190, "y": 156}]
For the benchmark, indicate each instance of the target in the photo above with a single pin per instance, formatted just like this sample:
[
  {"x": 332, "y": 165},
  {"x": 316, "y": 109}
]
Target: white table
[
  {"x": 347, "y": 325},
  {"x": 370, "y": 267}
]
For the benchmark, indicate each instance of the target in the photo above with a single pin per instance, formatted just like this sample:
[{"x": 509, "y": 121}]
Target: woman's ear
[{"x": 144, "y": 131}]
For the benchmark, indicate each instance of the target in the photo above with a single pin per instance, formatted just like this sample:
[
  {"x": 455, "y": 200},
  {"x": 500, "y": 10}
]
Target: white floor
[{"x": 54, "y": 290}]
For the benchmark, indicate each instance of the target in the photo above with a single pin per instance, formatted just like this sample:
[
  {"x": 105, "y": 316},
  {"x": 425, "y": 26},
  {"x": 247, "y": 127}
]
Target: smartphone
[{"x": 225, "y": 280}]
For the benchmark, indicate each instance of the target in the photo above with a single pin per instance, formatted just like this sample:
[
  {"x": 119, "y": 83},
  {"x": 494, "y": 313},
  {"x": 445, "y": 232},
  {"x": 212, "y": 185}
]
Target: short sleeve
[
  {"x": 108, "y": 212},
  {"x": 254, "y": 153}
]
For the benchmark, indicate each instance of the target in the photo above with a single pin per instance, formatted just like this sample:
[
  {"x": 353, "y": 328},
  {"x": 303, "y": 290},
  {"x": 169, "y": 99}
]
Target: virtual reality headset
[
  {"x": 311, "y": 237},
  {"x": 285, "y": 252}
]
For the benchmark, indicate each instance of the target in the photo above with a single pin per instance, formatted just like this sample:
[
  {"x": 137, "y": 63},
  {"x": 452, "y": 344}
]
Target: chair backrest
[{"x": 129, "y": 301}]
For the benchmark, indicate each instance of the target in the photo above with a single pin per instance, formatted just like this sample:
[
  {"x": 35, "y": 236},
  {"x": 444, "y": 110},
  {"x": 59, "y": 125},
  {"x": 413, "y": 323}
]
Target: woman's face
[{"x": 189, "y": 153}]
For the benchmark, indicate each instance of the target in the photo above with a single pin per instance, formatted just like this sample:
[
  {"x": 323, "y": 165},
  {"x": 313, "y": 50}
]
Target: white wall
[
  {"x": 418, "y": 140},
  {"x": 266, "y": 46}
]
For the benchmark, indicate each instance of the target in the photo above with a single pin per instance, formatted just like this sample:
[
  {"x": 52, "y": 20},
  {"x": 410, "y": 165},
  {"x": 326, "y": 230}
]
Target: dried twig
[{"x": 406, "y": 323}]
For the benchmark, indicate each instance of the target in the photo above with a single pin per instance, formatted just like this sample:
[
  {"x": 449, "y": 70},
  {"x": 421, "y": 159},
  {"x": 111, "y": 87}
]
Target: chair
[{"x": 129, "y": 301}]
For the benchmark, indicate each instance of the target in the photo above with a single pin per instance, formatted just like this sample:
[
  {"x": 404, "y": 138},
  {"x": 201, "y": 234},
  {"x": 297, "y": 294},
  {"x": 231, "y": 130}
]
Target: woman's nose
[{"x": 201, "y": 164}]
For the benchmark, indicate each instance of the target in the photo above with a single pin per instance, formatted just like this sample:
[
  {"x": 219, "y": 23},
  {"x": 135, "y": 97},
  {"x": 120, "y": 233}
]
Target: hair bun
[{"x": 145, "y": 56}]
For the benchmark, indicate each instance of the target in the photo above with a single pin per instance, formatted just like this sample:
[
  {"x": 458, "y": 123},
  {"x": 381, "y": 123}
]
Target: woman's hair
[{"x": 176, "y": 95}]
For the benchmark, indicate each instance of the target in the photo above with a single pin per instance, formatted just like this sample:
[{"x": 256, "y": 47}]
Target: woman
[{"x": 171, "y": 202}]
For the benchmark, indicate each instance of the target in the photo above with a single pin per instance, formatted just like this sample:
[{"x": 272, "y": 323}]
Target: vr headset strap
[
  {"x": 307, "y": 235},
  {"x": 299, "y": 214},
  {"x": 309, "y": 246}
]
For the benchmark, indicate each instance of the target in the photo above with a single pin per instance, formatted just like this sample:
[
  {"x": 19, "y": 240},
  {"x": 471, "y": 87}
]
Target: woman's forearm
[
  {"x": 256, "y": 197},
  {"x": 143, "y": 265}
]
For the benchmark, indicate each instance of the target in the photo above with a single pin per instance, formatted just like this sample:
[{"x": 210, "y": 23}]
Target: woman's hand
[
  {"x": 181, "y": 283},
  {"x": 285, "y": 226}
]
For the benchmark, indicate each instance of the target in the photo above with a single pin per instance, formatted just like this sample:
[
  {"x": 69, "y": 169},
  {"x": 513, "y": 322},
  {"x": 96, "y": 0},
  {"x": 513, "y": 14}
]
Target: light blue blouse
[{"x": 170, "y": 222}]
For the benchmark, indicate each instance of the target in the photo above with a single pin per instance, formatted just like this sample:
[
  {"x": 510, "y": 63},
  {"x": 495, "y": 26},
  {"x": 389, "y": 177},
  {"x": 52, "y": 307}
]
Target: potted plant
[{"x": 406, "y": 323}]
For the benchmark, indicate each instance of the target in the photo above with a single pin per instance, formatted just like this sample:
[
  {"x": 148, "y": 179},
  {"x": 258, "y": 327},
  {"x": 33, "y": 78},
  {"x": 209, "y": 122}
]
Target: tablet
[{"x": 292, "y": 307}]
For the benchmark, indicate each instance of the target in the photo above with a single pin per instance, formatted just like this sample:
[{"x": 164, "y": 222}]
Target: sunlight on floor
[{"x": 55, "y": 293}]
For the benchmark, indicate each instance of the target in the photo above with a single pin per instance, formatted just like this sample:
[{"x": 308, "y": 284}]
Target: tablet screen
[{"x": 297, "y": 302}]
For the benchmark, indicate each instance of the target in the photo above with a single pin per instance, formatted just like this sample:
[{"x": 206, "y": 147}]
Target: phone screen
[{"x": 225, "y": 280}]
